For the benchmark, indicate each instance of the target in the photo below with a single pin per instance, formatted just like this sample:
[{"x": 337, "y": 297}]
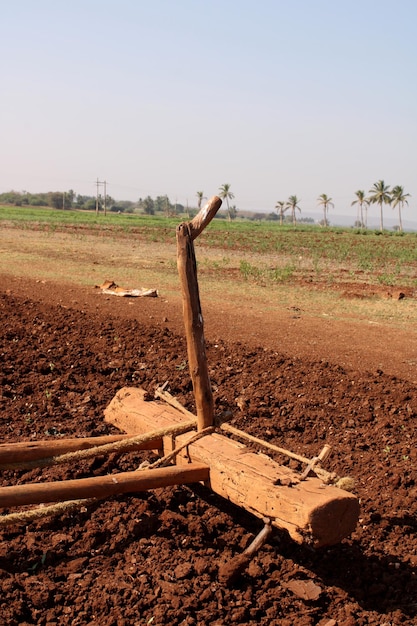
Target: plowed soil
[{"x": 154, "y": 558}]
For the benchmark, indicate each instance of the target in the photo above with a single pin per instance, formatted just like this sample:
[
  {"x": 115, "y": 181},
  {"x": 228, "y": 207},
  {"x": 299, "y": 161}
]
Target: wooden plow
[{"x": 191, "y": 448}]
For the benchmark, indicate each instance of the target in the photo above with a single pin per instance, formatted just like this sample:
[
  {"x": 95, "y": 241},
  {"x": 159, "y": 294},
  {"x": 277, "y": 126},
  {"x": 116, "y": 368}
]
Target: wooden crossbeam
[{"x": 102, "y": 486}]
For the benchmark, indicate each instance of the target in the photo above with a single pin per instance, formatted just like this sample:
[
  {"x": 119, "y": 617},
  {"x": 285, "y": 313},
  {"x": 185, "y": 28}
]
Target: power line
[{"x": 98, "y": 183}]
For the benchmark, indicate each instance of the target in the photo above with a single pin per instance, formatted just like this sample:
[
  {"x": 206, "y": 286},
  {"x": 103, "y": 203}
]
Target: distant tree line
[
  {"x": 66, "y": 200},
  {"x": 285, "y": 210},
  {"x": 55, "y": 199},
  {"x": 162, "y": 204},
  {"x": 379, "y": 194}
]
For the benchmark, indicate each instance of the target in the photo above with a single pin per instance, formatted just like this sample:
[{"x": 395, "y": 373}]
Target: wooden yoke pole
[
  {"x": 193, "y": 319},
  {"x": 103, "y": 486}
]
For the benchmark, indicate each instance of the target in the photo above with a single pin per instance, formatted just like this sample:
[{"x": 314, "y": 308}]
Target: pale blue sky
[{"x": 274, "y": 97}]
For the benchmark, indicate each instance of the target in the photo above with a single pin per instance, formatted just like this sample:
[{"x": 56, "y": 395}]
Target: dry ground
[{"x": 302, "y": 379}]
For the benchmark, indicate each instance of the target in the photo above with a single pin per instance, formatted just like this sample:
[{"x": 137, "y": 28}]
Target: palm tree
[
  {"x": 361, "y": 201},
  {"x": 281, "y": 208},
  {"x": 227, "y": 195},
  {"x": 380, "y": 194},
  {"x": 200, "y": 198},
  {"x": 292, "y": 204},
  {"x": 326, "y": 203},
  {"x": 399, "y": 199}
]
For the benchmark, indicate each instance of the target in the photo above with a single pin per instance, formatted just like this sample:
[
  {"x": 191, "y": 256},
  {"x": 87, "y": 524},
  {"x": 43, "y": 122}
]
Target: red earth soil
[{"x": 154, "y": 558}]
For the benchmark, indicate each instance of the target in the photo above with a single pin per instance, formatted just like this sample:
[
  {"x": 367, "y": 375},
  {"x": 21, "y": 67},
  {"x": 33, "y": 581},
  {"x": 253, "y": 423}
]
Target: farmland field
[{"x": 311, "y": 339}]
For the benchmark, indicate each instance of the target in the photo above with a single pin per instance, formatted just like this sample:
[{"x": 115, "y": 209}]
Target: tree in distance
[
  {"x": 281, "y": 208},
  {"x": 326, "y": 203},
  {"x": 380, "y": 194},
  {"x": 362, "y": 202},
  {"x": 292, "y": 204},
  {"x": 226, "y": 194},
  {"x": 200, "y": 197},
  {"x": 399, "y": 198},
  {"x": 233, "y": 212}
]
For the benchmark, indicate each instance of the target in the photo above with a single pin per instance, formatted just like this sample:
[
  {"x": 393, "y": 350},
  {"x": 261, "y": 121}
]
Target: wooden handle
[
  {"x": 102, "y": 486},
  {"x": 193, "y": 318},
  {"x": 204, "y": 216},
  {"x": 23, "y": 452}
]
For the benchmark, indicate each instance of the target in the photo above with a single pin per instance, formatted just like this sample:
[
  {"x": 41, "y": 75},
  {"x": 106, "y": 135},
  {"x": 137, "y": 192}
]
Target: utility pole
[{"x": 98, "y": 183}]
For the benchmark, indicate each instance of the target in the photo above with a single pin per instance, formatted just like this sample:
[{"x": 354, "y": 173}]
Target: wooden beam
[
  {"x": 193, "y": 318},
  {"x": 102, "y": 486},
  {"x": 22, "y": 452},
  {"x": 309, "y": 510}
]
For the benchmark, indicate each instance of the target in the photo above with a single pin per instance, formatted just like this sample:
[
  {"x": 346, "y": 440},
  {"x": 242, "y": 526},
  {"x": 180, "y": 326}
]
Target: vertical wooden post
[{"x": 193, "y": 318}]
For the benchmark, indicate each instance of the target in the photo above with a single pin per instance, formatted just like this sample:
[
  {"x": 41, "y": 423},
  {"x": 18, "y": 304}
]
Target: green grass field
[
  {"x": 338, "y": 273},
  {"x": 267, "y": 251}
]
